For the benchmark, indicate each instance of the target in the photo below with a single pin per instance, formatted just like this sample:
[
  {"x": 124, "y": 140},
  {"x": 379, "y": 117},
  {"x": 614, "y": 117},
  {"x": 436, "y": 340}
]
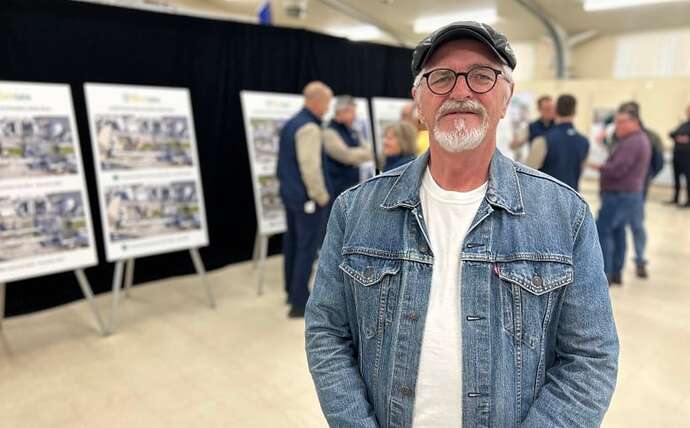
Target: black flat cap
[{"x": 494, "y": 40}]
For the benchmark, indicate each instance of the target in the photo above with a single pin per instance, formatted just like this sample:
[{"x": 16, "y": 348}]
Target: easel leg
[
  {"x": 201, "y": 271},
  {"x": 117, "y": 282},
  {"x": 2, "y": 304},
  {"x": 257, "y": 250},
  {"x": 129, "y": 276},
  {"x": 88, "y": 293},
  {"x": 263, "y": 252}
]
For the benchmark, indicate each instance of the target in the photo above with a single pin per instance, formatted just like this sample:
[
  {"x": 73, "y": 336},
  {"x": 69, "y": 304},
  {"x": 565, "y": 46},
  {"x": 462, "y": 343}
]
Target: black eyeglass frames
[{"x": 480, "y": 80}]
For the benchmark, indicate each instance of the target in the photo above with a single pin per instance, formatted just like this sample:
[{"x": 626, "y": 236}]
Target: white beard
[{"x": 461, "y": 139}]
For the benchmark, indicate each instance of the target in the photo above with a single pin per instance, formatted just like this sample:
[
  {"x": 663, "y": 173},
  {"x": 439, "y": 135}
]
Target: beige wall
[
  {"x": 662, "y": 101},
  {"x": 594, "y": 59}
]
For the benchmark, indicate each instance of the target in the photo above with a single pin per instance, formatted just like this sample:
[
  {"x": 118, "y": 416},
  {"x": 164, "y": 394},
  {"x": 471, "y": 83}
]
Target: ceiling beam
[
  {"x": 342, "y": 7},
  {"x": 557, "y": 34}
]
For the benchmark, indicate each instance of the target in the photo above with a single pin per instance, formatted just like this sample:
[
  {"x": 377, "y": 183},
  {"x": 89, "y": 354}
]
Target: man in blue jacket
[
  {"x": 562, "y": 151},
  {"x": 463, "y": 288},
  {"x": 303, "y": 191}
]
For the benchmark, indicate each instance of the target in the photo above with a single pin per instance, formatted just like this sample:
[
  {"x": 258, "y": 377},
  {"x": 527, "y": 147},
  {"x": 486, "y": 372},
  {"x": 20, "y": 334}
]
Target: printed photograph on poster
[
  {"x": 141, "y": 142},
  {"x": 271, "y": 204},
  {"x": 266, "y": 139},
  {"x": 144, "y": 210},
  {"x": 36, "y": 146},
  {"x": 39, "y": 225}
]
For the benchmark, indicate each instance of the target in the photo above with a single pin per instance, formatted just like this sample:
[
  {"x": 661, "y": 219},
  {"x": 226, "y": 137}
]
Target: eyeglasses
[{"x": 480, "y": 79}]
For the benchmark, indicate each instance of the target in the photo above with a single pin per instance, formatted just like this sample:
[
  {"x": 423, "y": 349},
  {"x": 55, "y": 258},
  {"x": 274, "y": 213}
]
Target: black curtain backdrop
[{"x": 70, "y": 42}]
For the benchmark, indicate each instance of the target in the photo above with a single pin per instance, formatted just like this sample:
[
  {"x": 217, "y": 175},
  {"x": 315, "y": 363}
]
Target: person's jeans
[
  {"x": 639, "y": 234},
  {"x": 681, "y": 167},
  {"x": 619, "y": 209},
  {"x": 300, "y": 243}
]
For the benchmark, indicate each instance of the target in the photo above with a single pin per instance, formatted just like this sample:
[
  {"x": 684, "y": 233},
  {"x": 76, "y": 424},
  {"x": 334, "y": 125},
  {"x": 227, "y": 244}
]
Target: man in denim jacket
[{"x": 462, "y": 289}]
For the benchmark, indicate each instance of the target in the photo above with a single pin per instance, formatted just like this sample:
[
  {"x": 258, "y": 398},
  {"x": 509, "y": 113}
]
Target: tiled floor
[{"x": 176, "y": 363}]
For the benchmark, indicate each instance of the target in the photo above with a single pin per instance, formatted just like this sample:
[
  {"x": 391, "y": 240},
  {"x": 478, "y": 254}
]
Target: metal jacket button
[
  {"x": 407, "y": 392},
  {"x": 537, "y": 281},
  {"x": 423, "y": 248}
]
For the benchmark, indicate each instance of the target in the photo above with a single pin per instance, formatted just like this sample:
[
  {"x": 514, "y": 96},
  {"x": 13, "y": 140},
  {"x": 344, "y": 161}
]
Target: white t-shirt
[{"x": 448, "y": 214}]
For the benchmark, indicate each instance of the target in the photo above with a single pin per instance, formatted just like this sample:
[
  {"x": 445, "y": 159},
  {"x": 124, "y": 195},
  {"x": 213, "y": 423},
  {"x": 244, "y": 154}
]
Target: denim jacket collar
[{"x": 503, "y": 190}]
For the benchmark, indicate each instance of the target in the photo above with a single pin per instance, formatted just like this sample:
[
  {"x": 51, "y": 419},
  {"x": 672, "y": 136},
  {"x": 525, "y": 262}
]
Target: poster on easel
[
  {"x": 513, "y": 130},
  {"x": 147, "y": 168},
  {"x": 600, "y": 135},
  {"x": 362, "y": 125},
  {"x": 264, "y": 115},
  {"x": 385, "y": 112},
  {"x": 45, "y": 222}
]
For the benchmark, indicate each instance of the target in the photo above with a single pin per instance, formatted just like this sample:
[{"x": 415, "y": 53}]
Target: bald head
[
  {"x": 316, "y": 89},
  {"x": 317, "y": 97}
]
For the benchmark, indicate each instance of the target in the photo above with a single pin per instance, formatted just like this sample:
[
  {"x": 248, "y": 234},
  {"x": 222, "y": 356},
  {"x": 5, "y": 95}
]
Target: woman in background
[{"x": 399, "y": 145}]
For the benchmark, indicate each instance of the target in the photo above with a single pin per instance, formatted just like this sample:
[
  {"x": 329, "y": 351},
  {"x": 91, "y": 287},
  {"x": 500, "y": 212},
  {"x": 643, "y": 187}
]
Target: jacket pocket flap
[
  {"x": 368, "y": 270},
  {"x": 537, "y": 277}
]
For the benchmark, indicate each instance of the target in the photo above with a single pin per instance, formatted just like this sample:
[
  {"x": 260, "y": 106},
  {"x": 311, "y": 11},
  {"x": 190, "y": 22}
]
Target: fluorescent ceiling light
[
  {"x": 428, "y": 24},
  {"x": 358, "y": 32},
  {"x": 597, "y": 5}
]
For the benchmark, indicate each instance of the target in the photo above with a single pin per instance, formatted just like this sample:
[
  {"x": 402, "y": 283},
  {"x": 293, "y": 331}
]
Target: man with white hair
[
  {"x": 462, "y": 289},
  {"x": 345, "y": 147},
  {"x": 303, "y": 192}
]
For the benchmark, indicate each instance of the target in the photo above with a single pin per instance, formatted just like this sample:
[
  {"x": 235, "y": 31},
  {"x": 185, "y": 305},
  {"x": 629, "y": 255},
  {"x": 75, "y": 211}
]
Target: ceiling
[{"x": 397, "y": 16}]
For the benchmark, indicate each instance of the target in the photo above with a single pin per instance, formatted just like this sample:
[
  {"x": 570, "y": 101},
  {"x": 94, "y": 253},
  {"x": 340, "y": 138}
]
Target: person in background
[
  {"x": 409, "y": 114},
  {"x": 399, "y": 145},
  {"x": 681, "y": 160},
  {"x": 546, "y": 118},
  {"x": 303, "y": 191},
  {"x": 656, "y": 163},
  {"x": 345, "y": 148},
  {"x": 562, "y": 151},
  {"x": 622, "y": 180}
]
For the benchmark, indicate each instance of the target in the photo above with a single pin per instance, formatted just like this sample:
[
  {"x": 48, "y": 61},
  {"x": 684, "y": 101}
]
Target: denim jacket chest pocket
[
  {"x": 530, "y": 291},
  {"x": 373, "y": 281}
]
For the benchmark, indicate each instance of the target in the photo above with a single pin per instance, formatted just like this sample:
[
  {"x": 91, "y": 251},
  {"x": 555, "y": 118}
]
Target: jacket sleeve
[
  {"x": 331, "y": 352},
  {"x": 308, "y": 147},
  {"x": 579, "y": 386},
  {"x": 537, "y": 153},
  {"x": 337, "y": 149},
  {"x": 683, "y": 129}
]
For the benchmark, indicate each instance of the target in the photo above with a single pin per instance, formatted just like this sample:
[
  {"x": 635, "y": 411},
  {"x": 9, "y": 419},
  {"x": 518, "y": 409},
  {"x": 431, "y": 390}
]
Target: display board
[
  {"x": 362, "y": 125},
  {"x": 45, "y": 223},
  {"x": 147, "y": 166},
  {"x": 600, "y": 133},
  {"x": 264, "y": 114},
  {"x": 386, "y": 111},
  {"x": 513, "y": 130}
]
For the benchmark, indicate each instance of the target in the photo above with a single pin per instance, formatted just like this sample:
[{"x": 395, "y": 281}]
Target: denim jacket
[{"x": 539, "y": 343}]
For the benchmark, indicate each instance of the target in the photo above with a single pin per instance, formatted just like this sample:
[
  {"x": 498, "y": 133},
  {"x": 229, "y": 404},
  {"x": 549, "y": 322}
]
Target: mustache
[{"x": 464, "y": 106}]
